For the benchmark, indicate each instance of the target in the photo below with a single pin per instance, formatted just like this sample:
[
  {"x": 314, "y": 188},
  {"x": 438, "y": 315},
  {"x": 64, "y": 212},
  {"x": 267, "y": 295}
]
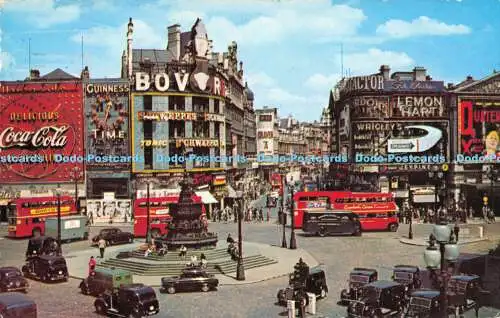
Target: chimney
[
  {"x": 419, "y": 73},
  {"x": 385, "y": 70},
  {"x": 34, "y": 74},
  {"x": 174, "y": 41},
  {"x": 130, "y": 33},
  {"x": 450, "y": 85},
  {"x": 428, "y": 78},
  {"x": 469, "y": 78},
  {"x": 85, "y": 73}
]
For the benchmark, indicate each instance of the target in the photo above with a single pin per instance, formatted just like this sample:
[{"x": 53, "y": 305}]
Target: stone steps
[
  {"x": 174, "y": 269},
  {"x": 174, "y": 255}
]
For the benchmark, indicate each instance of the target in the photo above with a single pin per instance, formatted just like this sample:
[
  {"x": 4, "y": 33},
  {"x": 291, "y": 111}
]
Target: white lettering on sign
[
  {"x": 181, "y": 83},
  {"x": 72, "y": 224},
  {"x": 40, "y": 138},
  {"x": 108, "y": 134},
  {"x": 142, "y": 81},
  {"x": 158, "y": 82},
  {"x": 419, "y": 106},
  {"x": 363, "y": 83},
  {"x": 161, "y": 82}
]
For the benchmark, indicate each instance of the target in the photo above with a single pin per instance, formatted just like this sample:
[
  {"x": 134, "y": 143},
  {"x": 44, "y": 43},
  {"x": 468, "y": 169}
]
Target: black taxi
[
  {"x": 424, "y": 303},
  {"x": 331, "y": 222},
  {"x": 379, "y": 299},
  {"x": 315, "y": 284},
  {"x": 407, "y": 275},
  {"x": 41, "y": 245},
  {"x": 358, "y": 278},
  {"x": 11, "y": 279},
  {"x": 17, "y": 305},
  {"x": 47, "y": 268},
  {"x": 133, "y": 300},
  {"x": 465, "y": 293}
]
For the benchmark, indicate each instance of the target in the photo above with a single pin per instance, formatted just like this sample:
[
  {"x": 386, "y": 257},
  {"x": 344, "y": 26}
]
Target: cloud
[
  {"x": 369, "y": 62},
  {"x": 260, "y": 79},
  {"x": 419, "y": 27},
  {"x": 321, "y": 82},
  {"x": 44, "y": 13},
  {"x": 6, "y": 61}
]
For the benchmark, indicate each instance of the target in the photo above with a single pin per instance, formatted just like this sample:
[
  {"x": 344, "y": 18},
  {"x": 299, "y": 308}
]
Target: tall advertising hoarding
[
  {"x": 106, "y": 110},
  {"x": 40, "y": 125},
  {"x": 479, "y": 130}
]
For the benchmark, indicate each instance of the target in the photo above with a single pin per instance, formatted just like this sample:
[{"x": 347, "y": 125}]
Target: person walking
[
  {"x": 92, "y": 264},
  {"x": 203, "y": 261},
  {"x": 102, "y": 246},
  {"x": 485, "y": 213}
]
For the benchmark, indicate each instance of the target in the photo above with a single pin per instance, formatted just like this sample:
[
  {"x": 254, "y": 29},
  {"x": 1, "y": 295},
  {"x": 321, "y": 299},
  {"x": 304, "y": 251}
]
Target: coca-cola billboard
[{"x": 40, "y": 122}]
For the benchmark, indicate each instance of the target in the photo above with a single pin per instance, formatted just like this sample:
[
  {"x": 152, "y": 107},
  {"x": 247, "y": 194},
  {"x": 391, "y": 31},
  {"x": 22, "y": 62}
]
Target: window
[
  {"x": 176, "y": 103},
  {"x": 36, "y": 220},
  {"x": 216, "y": 106}
]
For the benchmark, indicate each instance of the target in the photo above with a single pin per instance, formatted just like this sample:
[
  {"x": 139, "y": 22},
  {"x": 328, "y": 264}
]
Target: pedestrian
[
  {"x": 485, "y": 213},
  {"x": 102, "y": 246},
  {"x": 268, "y": 214},
  {"x": 203, "y": 261},
  {"x": 261, "y": 215},
  {"x": 229, "y": 239},
  {"x": 182, "y": 252},
  {"x": 92, "y": 264},
  {"x": 471, "y": 213},
  {"x": 219, "y": 215}
]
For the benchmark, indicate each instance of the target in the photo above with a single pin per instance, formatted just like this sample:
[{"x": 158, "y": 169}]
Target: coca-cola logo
[{"x": 44, "y": 137}]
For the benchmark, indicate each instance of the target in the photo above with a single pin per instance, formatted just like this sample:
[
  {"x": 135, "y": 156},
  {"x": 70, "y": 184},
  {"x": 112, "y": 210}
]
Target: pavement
[{"x": 77, "y": 263}]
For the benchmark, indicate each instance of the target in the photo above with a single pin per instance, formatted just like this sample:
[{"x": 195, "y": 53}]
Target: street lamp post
[
  {"x": 493, "y": 176},
  {"x": 58, "y": 194},
  {"x": 148, "y": 221},
  {"x": 410, "y": 229},
  {"x": 240, "y": 270},
  {"x": 76, "y": 174},
  {"x": 283, "y": 215},
  {"x": 437, "y": 258},
  {"x": 436, "y": 176},
  {"x": 293, "y": 242}
]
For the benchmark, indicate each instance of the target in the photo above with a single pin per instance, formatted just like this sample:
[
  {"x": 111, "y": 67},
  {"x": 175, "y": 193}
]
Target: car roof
[
  {"x": 50, "y": 257},
  {"x": 465, "y": 278},
  {"x": 406, "y": 268},
  {"x": 109, "y": 228},
  {"x": 383, "y": 284},
  {"x": 363, "y": 271},
  {"x": 425, "y": 293},
  {"x": 10, "y": 299},
  {"x": 316, "y": 270},
  {"x": 135, "y": 287},
  {"x": 111, "y": 271},
  {"x": 8, "y": 269}
]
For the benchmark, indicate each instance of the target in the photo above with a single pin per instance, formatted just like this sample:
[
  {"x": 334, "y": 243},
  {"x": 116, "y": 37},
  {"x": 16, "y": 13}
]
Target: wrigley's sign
[{"x": 179, "y": 81}]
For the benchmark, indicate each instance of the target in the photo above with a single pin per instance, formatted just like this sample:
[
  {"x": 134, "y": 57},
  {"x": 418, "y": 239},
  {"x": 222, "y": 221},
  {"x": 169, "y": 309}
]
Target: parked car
[
  {"x": 17, "y": 305},
  {"x": 329, "y": 222},
  {"x": 113, "y": 236},
  {"x": 46, "y": 268},
  {"x": 465, "y": 293},
  {"x": 105, "y": 279},
  {"x": 191, "y": 279},
  {"x": 379, "y": 299},
  {"x": 424, "y": 303},
  {"x": 315, "y": 284},
  {"x": 11, "y": 279},
  {"x": 134, "y": 300},
  {"x": 407, "y": 275},
  {"x": 358, "y": 278},
  {"x": 41, "y": 245}
]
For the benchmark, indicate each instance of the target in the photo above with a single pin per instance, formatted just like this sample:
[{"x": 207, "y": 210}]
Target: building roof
[
  {"x": 470, "y": 83},
  {"x": 153, "y": 55},
  {"x": 248, "y": 92},
  {"x": 58, "y": 74}
]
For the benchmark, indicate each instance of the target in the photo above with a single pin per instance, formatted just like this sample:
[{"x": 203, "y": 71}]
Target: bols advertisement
[
  {"x": 106, "y": 109},
  {"x": 479, "y": 129},
  {"x": 41, "y": 127}
]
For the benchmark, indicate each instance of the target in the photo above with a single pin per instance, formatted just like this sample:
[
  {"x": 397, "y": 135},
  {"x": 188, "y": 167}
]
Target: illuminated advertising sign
[
  {"x": 106, "y": 108},
  {"x": 370, "y": 107},
  {"x": 166, "y": 116},
  {"x": 418, "y": 106},
  {"x": 478, "y": 131},
  {"x": 49, "y": 210},
  {"x": 37, "y": 122}
]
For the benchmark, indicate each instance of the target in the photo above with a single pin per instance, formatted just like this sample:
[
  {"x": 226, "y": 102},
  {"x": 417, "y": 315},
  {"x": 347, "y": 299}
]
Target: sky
[{"x": 292, "y": 50}]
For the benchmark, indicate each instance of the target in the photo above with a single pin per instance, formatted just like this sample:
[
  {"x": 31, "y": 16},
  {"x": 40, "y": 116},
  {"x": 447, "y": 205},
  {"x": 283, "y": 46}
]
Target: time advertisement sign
[
  {"x": 479, "y": 129},
  {"x": 39, "y": 121},
  {"x": 106, "y": 109}
]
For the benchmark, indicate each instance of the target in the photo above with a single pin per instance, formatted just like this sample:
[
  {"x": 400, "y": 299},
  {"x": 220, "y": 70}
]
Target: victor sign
[{"x": 163, "y": 82}]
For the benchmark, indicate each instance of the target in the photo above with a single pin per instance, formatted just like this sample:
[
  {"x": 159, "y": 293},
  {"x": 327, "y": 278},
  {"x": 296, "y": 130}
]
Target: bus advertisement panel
[
  {"x": 159, "y": 214},
  {"x": 27, "y": 215},
  {"x": 377, "y": 211}
]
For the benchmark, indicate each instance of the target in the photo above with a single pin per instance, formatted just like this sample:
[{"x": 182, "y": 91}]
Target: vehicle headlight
[
  {"x": 11, "y": 283},
  {"x": 34, "y": 252}
]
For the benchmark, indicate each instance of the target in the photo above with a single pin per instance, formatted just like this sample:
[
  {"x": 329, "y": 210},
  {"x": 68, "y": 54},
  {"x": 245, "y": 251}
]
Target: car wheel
[
  {"x": 131, "y": 239},
  {"x": 357, "y": 230},
  {"x": 322, "y": 232},
  {"x": 171, "y": 290},
  {"x": 135, "y": 314},
  {"x": 85, "y": 289},
  {"x": 205, "y": 288},
  {"x": 43, "y": 277},
  {"x": 111, "y": 242},
  {"x": 393, "y": 227},
  {"x": 99, "y": 308},
  {"x": 323, "y": 293}
]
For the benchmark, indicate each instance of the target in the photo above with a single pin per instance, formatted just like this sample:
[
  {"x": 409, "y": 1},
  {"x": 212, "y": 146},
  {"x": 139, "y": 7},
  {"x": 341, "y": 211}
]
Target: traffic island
[
  {"x": 262, "y": 262},
  {"x": 468, "y": 234}
]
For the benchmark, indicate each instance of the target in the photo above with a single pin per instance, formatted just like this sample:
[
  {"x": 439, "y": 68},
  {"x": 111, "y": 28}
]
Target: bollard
[
  {"x": 311, "y": 308},
  {"x": 291, "y": 308},
  {"x": 481, "y": 233}
]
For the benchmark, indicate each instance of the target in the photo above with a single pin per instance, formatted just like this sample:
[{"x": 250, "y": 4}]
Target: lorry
[{"x": 72, "y": 227}]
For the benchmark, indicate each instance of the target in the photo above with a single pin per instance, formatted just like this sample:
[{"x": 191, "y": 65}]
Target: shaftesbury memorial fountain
[{"x": 188, "y": 226}]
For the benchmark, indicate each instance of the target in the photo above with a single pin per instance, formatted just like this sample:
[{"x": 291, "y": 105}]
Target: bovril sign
[{"x": 179, "y": 81}]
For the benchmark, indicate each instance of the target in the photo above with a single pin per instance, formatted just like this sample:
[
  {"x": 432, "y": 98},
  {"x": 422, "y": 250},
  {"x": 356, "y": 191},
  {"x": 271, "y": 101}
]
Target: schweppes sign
[
  {"x": 207, "y": 143},
  {"x": 49, "y": 210}
]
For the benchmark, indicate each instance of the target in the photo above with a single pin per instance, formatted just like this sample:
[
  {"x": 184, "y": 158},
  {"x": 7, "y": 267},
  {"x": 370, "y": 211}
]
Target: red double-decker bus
[
  {"x": 277, "y": 183},
  {"x": 159, "y": 214},
  {"x": 376, "y": 211},
  {"x": 27, "y": 215}
]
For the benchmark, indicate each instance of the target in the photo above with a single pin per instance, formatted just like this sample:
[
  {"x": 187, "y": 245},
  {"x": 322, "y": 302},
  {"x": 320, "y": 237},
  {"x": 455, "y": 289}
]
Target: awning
[
  {"x": 231, "y": 192},
  {"x": 424, "y": 198},
  {"x": 206, "y": 197}
]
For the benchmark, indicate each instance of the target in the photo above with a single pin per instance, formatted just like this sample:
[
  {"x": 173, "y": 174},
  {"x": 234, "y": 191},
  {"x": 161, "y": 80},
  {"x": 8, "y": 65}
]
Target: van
[
  {"x": 73, "y": 227},
  {"x": 104, "y": 279}
]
